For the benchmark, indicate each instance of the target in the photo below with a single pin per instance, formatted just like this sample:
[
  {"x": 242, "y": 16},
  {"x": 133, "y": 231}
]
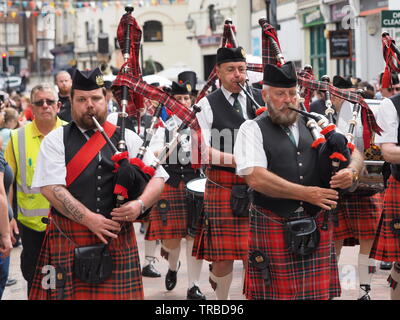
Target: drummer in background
[
  {"x": 387, "y": 242},
  {"x": 223, "y": 237},
  {"x": 359, "y": 211},
  {"x": 131, "y": 122},
  {"x": 168, "y": 219}
]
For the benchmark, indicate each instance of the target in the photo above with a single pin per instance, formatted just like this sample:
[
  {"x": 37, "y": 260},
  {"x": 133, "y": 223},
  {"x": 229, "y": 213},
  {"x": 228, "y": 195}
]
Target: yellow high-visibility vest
[{"x": 32, "y": 205}]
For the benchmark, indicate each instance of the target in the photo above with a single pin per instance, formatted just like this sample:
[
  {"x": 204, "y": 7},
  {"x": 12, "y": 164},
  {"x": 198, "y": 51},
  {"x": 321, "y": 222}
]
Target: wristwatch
[
  {"x": 142, "y": 205},
  {"x": 355, "y": 176}
]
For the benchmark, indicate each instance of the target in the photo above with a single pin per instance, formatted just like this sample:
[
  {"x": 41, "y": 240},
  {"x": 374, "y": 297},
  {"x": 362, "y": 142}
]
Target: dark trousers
[
  {"x": 31, "y": 245},
  {"x": 4, "y": 267}
]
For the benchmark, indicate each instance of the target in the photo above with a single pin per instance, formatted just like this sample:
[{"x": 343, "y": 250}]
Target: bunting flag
[
  {"x": 57, "y": 7},
  {"x": 391, "y": 59}
]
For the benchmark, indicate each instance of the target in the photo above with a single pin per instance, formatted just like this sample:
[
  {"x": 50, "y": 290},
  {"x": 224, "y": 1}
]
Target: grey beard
[{"x": 279, "y": 118}]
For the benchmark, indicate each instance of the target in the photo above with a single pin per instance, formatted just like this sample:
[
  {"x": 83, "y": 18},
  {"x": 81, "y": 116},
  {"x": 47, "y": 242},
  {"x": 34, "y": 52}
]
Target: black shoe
[
  {"x": 170, "y": 278},
  {"x": 366, "y": 288},
  {"x": 365, "y": 297},
  {"x": 386, "y": 265},
  {"x": 11, "y": 282},
  {"x": 194, "y": 293},
  {"x": 150, "y": 271}
]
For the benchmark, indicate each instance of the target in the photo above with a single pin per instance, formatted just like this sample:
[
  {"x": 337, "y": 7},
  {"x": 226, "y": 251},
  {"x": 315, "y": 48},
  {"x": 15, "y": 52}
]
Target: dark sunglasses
[
  {"x": 395, "y": 89},
  {"x": 40, "y": 103}
]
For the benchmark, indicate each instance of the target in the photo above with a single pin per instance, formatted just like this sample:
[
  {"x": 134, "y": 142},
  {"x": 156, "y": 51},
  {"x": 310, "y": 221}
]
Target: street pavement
[{"x": 154, "y": 288}]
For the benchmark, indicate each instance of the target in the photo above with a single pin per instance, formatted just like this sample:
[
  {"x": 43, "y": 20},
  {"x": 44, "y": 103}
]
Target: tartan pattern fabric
[
  {"x": 222, "y": 236},
  {"x": 269, "y": 53},
  {"x": 367, "y": 117},
  {"x": 309, "y": 84},
  {"x": 125, "y": 282},
  {"x": 386, "y": 245},
  {"x": 358, "y": 216},
  {"x": 137, "y": 85},
  {"x": 135, "y": 100},
  {"x": 175, "y": 225},
  {"x": 391, "y": 60},
  {"x": 313, "y": 277}
]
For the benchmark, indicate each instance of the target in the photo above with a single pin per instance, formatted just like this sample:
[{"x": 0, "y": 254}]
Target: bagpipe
[
  {"x": 131, "y": 174},
  {"x": 229, "y": 40},
  {"x": 334, "y": 148},
  {"x": 391, "y": 55},
  {"x": 333, "y": 144}
]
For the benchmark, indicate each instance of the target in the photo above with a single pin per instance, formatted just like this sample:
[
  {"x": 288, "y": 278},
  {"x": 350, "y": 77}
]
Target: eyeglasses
[
  {"x": 40, "y": 103},
  {"x": 397, "y": 89}
]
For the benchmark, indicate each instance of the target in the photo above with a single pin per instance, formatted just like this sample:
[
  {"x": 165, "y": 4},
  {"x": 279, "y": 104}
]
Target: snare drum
[
  {"x": 371, "y": 178},
  {"x": 194, "y": 193}
]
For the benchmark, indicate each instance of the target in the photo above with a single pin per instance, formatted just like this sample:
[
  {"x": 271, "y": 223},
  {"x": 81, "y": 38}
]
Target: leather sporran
[
  {"x": 93, "y": 264},
  {"x": 302, "y": 236},
  {"x": 240, "y": 202}
]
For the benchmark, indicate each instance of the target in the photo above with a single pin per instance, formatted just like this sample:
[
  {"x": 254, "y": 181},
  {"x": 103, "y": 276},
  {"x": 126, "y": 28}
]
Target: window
[
  {"x": 152, "y": 31},
  {"x": 100, "y": 26},
  {"x": 318, "y": 50},
  {"x": 65, "y": 26},
  {"x": 12, "y": 34},
  {"x": 89, "y": 32}
]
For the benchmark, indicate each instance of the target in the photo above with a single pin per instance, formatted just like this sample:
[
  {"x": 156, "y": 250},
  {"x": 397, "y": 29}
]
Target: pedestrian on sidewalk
[{"x": 21, "y": 154}]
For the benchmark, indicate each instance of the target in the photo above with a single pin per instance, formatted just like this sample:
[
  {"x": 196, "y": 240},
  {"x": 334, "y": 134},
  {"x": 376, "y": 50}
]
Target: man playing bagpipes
[
  {"x": 386, "y": 246},
  {"x": 223, "y": 235},
  {"x": 290, "y": 257},
  {"x": 168, "y": 220},
  {"x": 359, "y": 211},
  {"x": 90, "y": 244}
]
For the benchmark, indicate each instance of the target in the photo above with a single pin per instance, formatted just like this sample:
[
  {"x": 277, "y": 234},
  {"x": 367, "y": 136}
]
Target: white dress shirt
[
  {"x": 388, "y": 120},
  {"x": 205, "y": 116},
  {"x": 51, "y": 168}
]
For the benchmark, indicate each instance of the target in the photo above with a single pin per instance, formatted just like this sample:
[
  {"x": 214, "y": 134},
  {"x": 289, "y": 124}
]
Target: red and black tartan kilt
[
  {"x": 57, "y": 251},
  {"x": 171, "y": 224},
  {"x": 314, "y": 277},
  {"x": 222, "y": 236},
  {"x": 386, "y": 245},
  {"x": 358, "y": 216}
]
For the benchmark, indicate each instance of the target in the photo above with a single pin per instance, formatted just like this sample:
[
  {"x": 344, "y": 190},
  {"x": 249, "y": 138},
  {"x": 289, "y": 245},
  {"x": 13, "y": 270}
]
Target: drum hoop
[{"x": 192, "y": 191}]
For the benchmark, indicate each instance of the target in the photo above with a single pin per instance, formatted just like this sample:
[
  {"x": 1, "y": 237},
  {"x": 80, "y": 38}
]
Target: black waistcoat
[
  {"x": 94, "y": 187},
  {"x": 178, "y": 165},
  {"x": 226, "y": 121},
  {"x": 295, "y": 164}
]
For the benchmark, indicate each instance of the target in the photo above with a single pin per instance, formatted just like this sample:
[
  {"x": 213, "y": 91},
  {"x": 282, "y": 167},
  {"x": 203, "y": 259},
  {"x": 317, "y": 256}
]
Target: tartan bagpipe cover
[
  {"x": 309, "y": 84},
  {"x": 138, "y": 89}
]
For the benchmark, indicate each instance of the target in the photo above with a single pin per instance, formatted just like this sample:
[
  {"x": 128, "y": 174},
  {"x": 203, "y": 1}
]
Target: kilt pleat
[
  {"x": 358, "y": 216},
  {"x": 125, "y": 282},
  {"x": 222, "y": 236},
  {"x": 386, "y": 245},
  {"x": 293, "y": 277},
  {"x": 173, "y": 223}
]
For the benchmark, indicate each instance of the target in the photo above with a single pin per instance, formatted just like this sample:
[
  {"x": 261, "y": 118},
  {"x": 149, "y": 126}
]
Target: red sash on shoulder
[{"x": 86, "y": 154}]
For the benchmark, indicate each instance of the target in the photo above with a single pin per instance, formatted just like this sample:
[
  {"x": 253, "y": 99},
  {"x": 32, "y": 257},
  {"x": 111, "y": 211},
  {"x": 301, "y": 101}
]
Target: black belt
[{"x": 227, "y": 169}]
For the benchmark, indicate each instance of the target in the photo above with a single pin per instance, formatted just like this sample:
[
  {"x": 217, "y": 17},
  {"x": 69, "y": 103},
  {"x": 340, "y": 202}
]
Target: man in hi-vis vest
[{"x": 21, "y": 155}]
